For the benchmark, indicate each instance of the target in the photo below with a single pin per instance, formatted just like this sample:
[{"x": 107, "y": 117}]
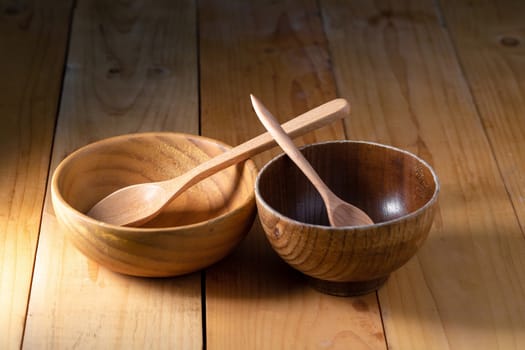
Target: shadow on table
[
  {"x": 253, "y": 271},
  {"x": 471, "y": 279}
]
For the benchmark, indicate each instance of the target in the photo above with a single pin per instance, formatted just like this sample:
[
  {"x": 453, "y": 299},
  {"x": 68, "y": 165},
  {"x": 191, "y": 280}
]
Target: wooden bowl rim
[
  {"x": 414, "y": 213},
  {"x": 56, "y": 195}
]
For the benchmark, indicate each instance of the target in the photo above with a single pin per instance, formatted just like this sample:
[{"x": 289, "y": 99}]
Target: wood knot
[
  {"x": 360, "y": 305},
  {"x": 509, "y": 41},
  {"x": 12, "y": 10},
  {"x": 386, "y": 15},
  {"x": 157, "y": 72},
  {"x": 113, "y": 72},
  {"x": 276, "y": 233}
]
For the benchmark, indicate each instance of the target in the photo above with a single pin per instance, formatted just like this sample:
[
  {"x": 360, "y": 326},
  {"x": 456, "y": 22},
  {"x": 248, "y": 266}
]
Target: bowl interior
[
  {"x": 95, "y": 171},
  {"x": 385, "y": 182}
]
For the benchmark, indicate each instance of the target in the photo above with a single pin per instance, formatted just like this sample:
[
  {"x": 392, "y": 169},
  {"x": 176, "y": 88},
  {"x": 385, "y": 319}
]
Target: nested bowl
[
  {"x": 197, "y": 229},
  {"x": 396, "y": 188}
]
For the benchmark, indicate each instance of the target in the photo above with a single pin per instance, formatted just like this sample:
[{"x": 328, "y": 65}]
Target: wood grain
[
  {"x": 131, "y": 67},
  {"x": 339, "y": 212},
  {"x": 444, "y": 79},
  {"x": 394, "y": 187},
  {"x": 465, "y": 289},
  {"x": 194, "y": 231},
  {"x": 33, "y": 41},
  {"x": 492, "y": 56},
  {"x": 277, "y": 51}
]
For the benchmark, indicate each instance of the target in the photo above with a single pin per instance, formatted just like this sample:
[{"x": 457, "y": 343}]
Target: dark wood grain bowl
[
  {"x": 199, "y": 228},
  {"x": 396, "y": 188}
]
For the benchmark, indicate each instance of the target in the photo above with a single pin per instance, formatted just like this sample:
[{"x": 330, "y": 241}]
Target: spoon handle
[
  {"x": 286, "y": 143},
  {"x": 311, "y": 120}
]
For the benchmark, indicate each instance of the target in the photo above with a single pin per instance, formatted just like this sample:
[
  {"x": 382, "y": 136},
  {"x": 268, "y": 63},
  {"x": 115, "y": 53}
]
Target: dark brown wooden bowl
[{"x": 396, "y": 188}]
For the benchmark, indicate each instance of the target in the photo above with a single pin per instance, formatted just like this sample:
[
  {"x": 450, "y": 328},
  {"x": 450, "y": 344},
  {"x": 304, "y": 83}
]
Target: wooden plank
[
  {"x": 465, "y": 288},
  {"x": 33, "y": 41},
  {"x": 277, "y": 50},
  {"x": 131, "y": 68},
  {"x": 492, "y": 56}
]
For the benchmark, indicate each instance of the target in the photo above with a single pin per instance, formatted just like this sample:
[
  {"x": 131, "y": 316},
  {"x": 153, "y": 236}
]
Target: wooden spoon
[
  {"x": 137, "y": 204},
  {"x": 340, "y": 213}
]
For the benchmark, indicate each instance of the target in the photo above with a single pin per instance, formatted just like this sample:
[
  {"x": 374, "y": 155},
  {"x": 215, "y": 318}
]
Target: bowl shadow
[
  {"x": 459, "y": 279},
  {"x": 253, "y": 271}
]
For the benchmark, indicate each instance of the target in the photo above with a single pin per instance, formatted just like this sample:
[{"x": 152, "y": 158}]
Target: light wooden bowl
[
  {"x": 397, "y": 189},
  {"x": 199, "y": 228}
]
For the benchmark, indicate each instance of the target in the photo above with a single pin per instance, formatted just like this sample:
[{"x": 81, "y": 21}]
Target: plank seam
[
  {"x": 48, "y": 178},
  {"x": 483, "y": 125},
  {"x": 199, "y": 126},
  {"x": 382, "y": 321},
  {"x": 330, "y": 57}
]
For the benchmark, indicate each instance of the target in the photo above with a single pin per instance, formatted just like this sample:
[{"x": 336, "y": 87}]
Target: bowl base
[{"x": 346, "y": 289}]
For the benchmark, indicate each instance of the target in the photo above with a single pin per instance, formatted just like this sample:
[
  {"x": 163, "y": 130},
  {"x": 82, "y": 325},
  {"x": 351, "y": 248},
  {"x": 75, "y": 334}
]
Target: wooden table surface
[{"x": 444, "y": 79}]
